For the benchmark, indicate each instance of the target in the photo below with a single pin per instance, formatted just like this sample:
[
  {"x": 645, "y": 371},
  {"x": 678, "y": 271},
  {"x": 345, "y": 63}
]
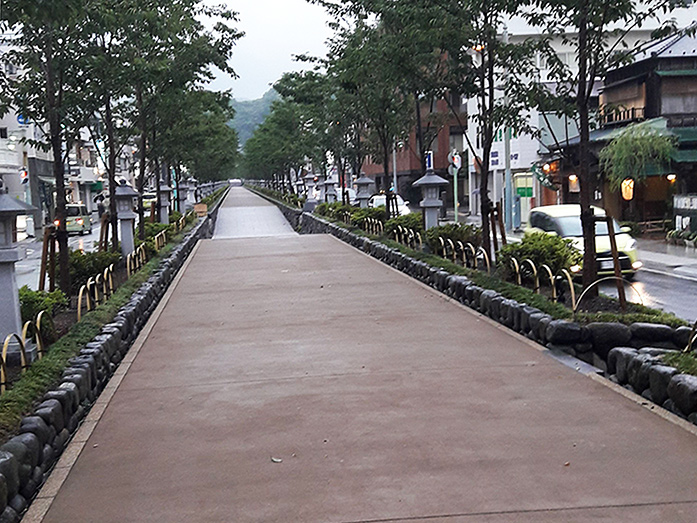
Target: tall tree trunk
[
  {"x": 56, "y": 137},
  {"x": 111, "y": 138},
  {"x": 487, "y": 101},
  {"x": 143, "y": 155},
  {"x": 419, "y": 133},
  {"x": 158, "y": 181},
  {"x": 386, "y": 170},
  {"x": 178, "y": 179},
  {"x": 584, "y": 86}
]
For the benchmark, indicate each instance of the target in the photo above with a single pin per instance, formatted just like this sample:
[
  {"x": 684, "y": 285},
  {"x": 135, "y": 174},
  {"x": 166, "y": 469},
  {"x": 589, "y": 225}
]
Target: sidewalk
[{"x": 294, "y": 379}]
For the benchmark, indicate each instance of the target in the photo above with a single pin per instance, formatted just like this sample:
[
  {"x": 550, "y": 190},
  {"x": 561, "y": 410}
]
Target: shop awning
[
  {"x": 678, "y": 72},
  {"x": 685, "y": 156}
]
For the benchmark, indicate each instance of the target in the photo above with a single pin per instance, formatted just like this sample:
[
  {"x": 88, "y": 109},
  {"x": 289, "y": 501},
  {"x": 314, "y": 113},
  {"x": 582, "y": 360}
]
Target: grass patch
[
  {"x": 684, "y": 362},
  {"x": 45, "y": 373}
]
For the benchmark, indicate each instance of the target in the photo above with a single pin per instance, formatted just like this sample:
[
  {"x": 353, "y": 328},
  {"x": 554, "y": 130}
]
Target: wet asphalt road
[{"x": 656, "y": 288}]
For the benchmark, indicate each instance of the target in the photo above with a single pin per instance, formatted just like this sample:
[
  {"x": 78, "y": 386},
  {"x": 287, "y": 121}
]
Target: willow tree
[{"x": 635, "y": 148}]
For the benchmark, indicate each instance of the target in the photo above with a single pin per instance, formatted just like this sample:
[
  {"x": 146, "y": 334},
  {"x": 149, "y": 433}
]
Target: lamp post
[
  {"x": 364, "y": 193},
  {"x": 165, "y": 191},
  {"x": 10, "y": 318},
  {"x": 429, "y": 184},
  {"x": 125, "y": 200}
]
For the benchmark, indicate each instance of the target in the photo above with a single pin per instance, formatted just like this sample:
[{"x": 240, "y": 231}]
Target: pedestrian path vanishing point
[
  {"x": 294, "y": 379},
  {"x": 245, "y": 215}
]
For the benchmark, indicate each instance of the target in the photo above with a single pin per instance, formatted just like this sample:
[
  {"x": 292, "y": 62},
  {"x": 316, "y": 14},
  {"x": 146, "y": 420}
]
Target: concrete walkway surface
[
  {"x": 245, "y": 215},
  {"x": 295, "y": 379}
]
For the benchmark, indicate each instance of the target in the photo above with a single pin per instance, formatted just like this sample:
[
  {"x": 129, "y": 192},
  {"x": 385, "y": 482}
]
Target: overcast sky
[
  {"x": 278, "y": 29},
  {"x": 275, "y": 31}
]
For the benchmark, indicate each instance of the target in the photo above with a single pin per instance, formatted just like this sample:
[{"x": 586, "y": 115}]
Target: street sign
[
  {"x": 455, "y": 160},
  {"x": 429, "y": 160},
  {"x": 21, "y": 120}
]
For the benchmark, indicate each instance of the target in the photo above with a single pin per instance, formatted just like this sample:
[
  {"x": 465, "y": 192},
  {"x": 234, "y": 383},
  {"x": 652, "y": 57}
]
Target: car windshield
[
  {"x": 571, "y": 226},
  {"x": 72, "y": 211}
]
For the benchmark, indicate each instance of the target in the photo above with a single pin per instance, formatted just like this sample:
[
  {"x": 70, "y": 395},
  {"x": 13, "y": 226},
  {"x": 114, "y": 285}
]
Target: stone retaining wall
[
  {"x": 26, "y": 459},
  {"x": 626, "y": 354}
]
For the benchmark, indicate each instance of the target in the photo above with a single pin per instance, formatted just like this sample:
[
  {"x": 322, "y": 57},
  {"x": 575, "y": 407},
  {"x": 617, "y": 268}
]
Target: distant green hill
[{"x": 249, "y": 114}]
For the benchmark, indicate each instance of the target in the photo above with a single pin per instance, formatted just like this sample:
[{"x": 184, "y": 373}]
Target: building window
[{"x": 3, "y": 132}]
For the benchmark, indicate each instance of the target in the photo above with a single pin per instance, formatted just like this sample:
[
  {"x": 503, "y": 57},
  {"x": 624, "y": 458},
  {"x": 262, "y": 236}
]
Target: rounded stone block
[{"x": 682, "y": 390}]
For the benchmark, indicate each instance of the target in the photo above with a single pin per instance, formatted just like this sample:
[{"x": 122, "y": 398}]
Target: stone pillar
[
  {"x": 310, "y": 202},
  {"x": 322, "y": 187},
  {"x": 330, "y": 190},
  {"x": 364, "y": 192},
  {"x": 125, "y": 198},
  {"x": 182, "y": 195},
  {"x": 165, "y": 191},
  {"x": 10, "y": 318}
]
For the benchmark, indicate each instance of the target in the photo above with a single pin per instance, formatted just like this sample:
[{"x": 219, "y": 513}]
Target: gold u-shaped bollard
[
  {"x": 551, "y": 280},
  {"x": 516, "y": 266},
  {"x": 534, "y": 273}
]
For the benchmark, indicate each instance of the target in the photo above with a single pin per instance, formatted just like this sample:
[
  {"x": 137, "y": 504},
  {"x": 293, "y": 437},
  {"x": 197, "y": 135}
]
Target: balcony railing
[{"x": 616, "y": 116}]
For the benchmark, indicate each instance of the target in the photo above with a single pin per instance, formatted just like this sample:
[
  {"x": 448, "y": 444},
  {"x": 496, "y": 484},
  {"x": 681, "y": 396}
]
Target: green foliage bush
[
  {"x": 153, "y": 229},
  {"x": 455, "y": 232},
  {"x": 634, "y": 228},
  {"x": 86, "y": 265},
  {"x": 175, "y": 216},
  {"x": 541, "y": 248},
  {"x": 31, "y": 303},
  {"x": 413, "y": 221},
  {"x": 359, "y": 215}
]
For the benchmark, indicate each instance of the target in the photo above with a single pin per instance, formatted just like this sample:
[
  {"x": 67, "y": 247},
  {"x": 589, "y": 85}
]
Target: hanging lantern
[{"x": 627, "y": 188}]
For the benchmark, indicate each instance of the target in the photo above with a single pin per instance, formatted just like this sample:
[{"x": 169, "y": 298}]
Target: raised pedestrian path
[{"x": 292, "y": 378}]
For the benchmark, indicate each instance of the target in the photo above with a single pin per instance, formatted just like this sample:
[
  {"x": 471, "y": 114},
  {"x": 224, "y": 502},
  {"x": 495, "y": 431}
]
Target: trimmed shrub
[
  {"x": 456, "y": 232},
  {"x": 359, "y": 215},
  {"x": 86, "y": 265},
  {"x": 541, "y": 248},
  {"x": 32, "y": 302},
  {"x": 413, "y": 221}
]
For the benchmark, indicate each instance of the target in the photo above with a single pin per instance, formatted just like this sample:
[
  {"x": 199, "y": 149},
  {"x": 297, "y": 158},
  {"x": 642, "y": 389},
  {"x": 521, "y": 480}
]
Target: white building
[{"x": 527, "y": 151}]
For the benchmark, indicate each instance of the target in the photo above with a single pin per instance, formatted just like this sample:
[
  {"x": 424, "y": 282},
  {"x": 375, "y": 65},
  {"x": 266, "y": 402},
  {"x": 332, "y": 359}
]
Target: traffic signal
[{"x": 24, "y": 175}]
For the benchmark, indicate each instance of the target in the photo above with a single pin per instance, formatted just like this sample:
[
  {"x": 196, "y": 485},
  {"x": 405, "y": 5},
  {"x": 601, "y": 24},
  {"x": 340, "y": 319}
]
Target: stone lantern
[
  {"x": 125, "y": 200},
  {"x": 10, "y": 318},
  {"x": 182, "y": 195},
  {"x": 364, "y": 193},
  {"x": 322, "y": 188},
  {"x": 299, "y": 187},
  {"x": 165, "y": 191},
  {"x": 329, "y": 189},
  {"x": 310, "y": 202},
  {"x": 430, "y": 184}
]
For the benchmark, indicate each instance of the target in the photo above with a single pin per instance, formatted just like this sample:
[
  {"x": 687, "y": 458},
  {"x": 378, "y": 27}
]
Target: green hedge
[
  {"x": 414, "y": 221},
  {"x": 31, "y": 303},
  {"x": 455, "y": 232},
  {"x": 541, "y": 248}
]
